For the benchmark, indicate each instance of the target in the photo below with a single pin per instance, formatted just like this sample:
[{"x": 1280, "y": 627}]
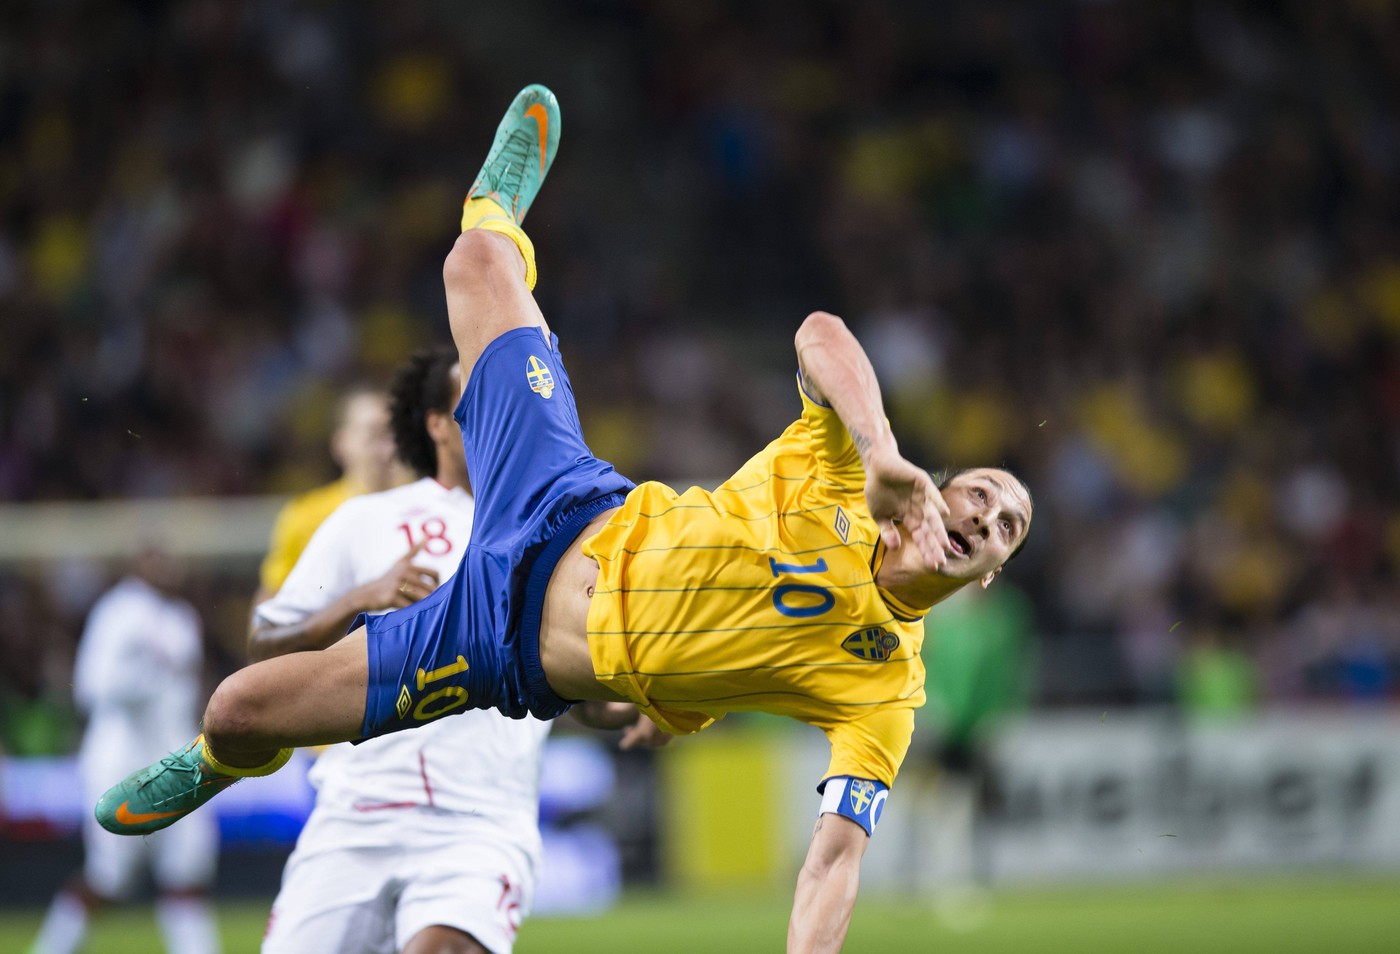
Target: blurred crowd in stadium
[{"x": 1146, "y": 254}]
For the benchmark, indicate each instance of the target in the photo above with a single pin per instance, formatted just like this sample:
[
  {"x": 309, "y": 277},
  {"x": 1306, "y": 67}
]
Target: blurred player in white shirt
[
  {"x": 422, "y": 841},
  {"x": 138, "y": 679}
]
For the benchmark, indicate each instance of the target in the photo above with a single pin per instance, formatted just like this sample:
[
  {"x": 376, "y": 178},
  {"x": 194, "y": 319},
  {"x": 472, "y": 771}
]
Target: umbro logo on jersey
[
  {"x": 875, "y": 644},
  {"x": 843, "y": 525},
  {"x": 403, "y": 702},
  {"x": 537, "y": 374}
]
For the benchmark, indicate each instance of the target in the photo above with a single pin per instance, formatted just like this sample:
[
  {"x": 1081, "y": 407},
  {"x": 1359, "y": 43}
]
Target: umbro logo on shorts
[{"x": 537, "y": 374}]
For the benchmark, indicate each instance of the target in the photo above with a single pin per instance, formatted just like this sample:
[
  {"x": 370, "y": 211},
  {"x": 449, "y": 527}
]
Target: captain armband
[{"x": 859, "y": 799}]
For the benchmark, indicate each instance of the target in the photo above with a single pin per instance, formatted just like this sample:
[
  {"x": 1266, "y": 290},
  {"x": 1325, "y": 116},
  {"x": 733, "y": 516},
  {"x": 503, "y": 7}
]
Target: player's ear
[
  {"x": 987, "y": 580},
  {"x": 438, "y": 424}
]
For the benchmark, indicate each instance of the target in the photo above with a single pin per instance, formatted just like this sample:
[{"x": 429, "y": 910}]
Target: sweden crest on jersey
[
  {"x": 539, "y": 378},
  {"x": 875, "y": 644}
]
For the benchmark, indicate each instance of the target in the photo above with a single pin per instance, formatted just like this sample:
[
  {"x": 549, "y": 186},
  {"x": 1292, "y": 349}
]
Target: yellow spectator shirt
[
  {"x": 761, "y": 596},
  {"x": 295, "y": 524}
]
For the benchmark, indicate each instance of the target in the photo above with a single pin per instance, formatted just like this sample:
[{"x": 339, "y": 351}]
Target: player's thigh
[
  {"x": 112, "y": 864},
  {"x": 184, "y": 856},
  {"x": 333, "y": 902},
  {"x": 484, "y": 278}
]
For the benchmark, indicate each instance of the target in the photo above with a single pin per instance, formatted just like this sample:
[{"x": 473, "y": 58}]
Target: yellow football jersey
[
  {"x": 295, "y": 524},
  {"x": 762, "y": 596}
]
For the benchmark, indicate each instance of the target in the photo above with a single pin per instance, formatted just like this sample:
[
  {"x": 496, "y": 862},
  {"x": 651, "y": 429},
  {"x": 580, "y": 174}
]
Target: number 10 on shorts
[{"x": 439, "y": 702}]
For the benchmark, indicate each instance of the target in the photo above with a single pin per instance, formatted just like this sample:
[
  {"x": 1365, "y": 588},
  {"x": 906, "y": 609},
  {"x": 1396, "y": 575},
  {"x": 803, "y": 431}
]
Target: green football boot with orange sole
[
  {"x": 161, "y": 794},
  {"x": 526, "y": 142}
]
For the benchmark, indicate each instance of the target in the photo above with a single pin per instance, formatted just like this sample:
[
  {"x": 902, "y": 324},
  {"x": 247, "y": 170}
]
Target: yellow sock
[
  {"x": 486, "y": 213},
  {"x": 267, "y": 768}
]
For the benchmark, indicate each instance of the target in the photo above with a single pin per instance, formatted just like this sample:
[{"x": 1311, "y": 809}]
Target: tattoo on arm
[{"x": 862, "y": 443}]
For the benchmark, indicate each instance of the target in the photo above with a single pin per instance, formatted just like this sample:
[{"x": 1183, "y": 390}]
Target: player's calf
[
  {"x": 309, "y": 698},
  {"x": 240, "y": 721},
  {"x": 486, "y": 293}
]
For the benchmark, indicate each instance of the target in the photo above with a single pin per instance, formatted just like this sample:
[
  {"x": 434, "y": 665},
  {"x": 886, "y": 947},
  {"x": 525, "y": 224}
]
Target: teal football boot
[
  {"x": 161, "y": 794},
  {"x": 526, "y": 142}
]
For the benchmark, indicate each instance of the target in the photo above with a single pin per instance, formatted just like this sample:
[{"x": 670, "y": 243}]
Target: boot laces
[
  {"x": 512, "y": 163},
  {"x": 175, "y": 762}
]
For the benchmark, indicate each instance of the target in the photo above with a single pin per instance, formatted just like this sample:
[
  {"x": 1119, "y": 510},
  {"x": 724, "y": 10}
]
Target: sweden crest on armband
[
  {"x": 874, "y": 644},
  {"x": 862, "y": 800},
  {"x": 862, "y": 794}
]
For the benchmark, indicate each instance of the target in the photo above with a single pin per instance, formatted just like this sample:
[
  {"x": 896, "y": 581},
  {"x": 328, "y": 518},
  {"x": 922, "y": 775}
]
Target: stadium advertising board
[{"x": 1108, "y": 795}]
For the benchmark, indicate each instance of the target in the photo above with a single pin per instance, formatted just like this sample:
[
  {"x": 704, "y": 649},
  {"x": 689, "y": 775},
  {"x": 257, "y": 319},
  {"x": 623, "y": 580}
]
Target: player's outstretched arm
[
  {"x": 827, "y": 886},
  {"x": 836, "y": 371},
  {"x": 403, "y": 585}
]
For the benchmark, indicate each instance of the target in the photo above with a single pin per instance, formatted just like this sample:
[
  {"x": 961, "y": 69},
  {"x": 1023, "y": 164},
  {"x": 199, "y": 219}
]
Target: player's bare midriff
[{"x": 564, "y": 622}]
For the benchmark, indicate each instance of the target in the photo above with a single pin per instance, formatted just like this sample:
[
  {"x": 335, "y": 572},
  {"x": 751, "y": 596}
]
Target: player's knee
[
  {"x": 475, "y": 254},
  {"x": 818, "y": 319},
  {"x": 231, "y": 715}
]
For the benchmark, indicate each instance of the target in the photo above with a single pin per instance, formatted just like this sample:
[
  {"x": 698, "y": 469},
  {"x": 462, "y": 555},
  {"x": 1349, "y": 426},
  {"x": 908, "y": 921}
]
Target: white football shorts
[{"x": 338, "y": 899}]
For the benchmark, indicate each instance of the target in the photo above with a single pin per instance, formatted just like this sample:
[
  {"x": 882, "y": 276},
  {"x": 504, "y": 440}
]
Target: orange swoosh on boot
[
  {"x": 540, "y": 115},
  {"x": 128, "y": 817}
]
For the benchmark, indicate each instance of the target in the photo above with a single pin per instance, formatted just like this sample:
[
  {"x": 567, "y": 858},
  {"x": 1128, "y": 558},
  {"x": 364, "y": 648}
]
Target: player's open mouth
[{"x": 959, "y": 543}]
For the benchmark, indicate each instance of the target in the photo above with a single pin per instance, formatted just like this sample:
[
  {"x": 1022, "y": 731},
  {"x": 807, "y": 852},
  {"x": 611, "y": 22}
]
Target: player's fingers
[
  {"x": 413, "y": 590},
  {"x": 936, "y": 532},
  {"x": 426, "y": 575},
  {"x": 932, "y": 541},
  {"x": 889, "y": 533},
  {"x": 935, "y": 496},
  {"x": 643, "y": 732},
  {"x": 416, "y": 549}
]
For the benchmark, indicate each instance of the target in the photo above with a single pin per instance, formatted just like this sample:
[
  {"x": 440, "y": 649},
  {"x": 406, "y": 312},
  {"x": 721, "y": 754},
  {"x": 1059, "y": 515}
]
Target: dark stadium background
[{"x": 1147, "y": 255}]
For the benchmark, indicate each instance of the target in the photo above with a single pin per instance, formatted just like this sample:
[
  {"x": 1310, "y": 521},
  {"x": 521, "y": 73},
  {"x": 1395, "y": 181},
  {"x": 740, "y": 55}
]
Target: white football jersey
[
  {"x": 478, "y": 763},
  {"x": 137, "y": 678}
]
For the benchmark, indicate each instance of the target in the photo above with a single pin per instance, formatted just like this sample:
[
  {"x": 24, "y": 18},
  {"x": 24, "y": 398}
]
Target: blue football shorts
[{"x": 474, "y": 643}]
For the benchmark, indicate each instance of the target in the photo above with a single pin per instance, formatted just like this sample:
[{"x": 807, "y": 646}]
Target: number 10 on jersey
[{"x": 800, "y": 600}]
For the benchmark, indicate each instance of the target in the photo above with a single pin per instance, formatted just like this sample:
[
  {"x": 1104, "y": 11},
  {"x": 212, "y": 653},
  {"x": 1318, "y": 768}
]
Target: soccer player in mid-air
[
  {"x": 421, "y": 841},
  {"x": 797, "y": 587}
]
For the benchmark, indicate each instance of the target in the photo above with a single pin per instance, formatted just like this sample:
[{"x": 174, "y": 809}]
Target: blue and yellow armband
[{"x": 862, "y": 800}]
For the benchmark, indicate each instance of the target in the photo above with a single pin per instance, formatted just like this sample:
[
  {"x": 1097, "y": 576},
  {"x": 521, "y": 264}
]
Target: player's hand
[
  {"x": 902, "y": 494},
  {"x": 605, "y": 715},
  {"x": 404, "y": 584},
  {"x": 644, "y": 732}
]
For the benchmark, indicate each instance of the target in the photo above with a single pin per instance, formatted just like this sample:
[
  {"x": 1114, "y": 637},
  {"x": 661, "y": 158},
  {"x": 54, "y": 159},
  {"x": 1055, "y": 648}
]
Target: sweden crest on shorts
[
  {"x": 537, "y": 374},
  {"x": 875, "y": 644}
]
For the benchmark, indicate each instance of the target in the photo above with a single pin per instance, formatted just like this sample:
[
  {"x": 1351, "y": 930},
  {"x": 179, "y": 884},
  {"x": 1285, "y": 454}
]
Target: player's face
[
  {"x": 363, "y": 443},
  {"x": 989, "y": 516}
]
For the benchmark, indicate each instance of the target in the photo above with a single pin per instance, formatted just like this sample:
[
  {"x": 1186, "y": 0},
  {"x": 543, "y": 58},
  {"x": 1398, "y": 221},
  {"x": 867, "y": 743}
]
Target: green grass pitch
[{"x": 1277, "y": 917}]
